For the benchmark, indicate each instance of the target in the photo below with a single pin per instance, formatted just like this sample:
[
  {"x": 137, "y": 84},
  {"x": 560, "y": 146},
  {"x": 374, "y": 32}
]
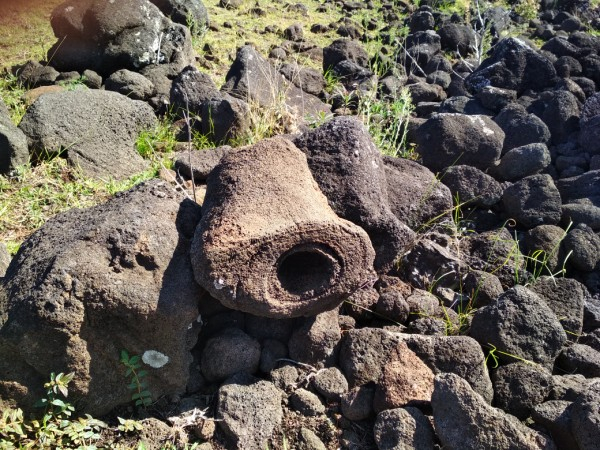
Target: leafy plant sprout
[{"x": 137, "y": 383}]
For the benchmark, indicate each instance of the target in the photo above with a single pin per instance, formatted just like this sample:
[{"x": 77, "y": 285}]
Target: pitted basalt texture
[{"x": 268, "y": 242}]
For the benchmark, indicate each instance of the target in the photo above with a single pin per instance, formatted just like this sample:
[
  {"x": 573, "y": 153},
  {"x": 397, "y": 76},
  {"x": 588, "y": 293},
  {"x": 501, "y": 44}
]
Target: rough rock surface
[
  {"x": 403, "y": 428},
  {"x": 449, "y": 139},
  {"x": 94, "y": 130},
  {"x": 269, "y": 243},
  {"x": 249, "y": 410},
  {"x": 586, "y": 418},
  {"x": 343, "y": 146},
  {"x": 521, "y": 324},
  {"x": 513, "y": 65},
  {"x": 463, "y": 420},
  {"x": 13, "y": 143},
  {"x": 533, "y": 201},
  {"x": 93, "y": 282},
  {"x": 106, "y": 36},
  {"x": 415, "y": 195}
]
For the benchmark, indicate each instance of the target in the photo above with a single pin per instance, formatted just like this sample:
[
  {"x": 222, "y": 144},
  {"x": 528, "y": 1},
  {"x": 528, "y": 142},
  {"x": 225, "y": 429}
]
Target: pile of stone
[{"x": 319, "y": 279}]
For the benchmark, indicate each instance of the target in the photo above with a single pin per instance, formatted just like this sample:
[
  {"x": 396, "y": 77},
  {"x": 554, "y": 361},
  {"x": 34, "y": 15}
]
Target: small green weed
[
  {"x": 11, "y": 92},
  {"x": 493, "y": 356},
  {"x": 56, "y": 428},
  {"x": 387, "y": 122},
  {"x": 137, "y": 383}
]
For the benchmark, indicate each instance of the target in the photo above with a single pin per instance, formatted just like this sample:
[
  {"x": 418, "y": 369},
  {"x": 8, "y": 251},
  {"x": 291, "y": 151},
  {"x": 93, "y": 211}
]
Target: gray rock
[
  {"x": 357, "y": 404},
  {"x": 568, "y": 387},
  {"x": 106, "y": 37},
  {"x": 566, "y": 298},
  {"x": 190, "y": 90},
  {"x": 458, "y": 38},
  {"x": 33, "y": 74},
  {"x": 308, "y": 440},
  {"x": 471, "y": 187},
  {"x": 495, "y": 251},
  {"x": 523, "y": 161},
  {"x": 96, "y": 281},
  {"x": 589, "y": 136},
  {"x": 521, "y": 324},
  {"x": 584, "y": 246},
  {"x": 365, "y": 351},
  {"x": 251, "y": 78},
  {"x": 272, "y": 352},
  {"x": 13, "y": 143},
  {"x": 585, "y": 414},
  {"x": 330, "y": 383},
  {"x": 131, "y": 84},
  {"x": 191, "y": 13},
  {"x": 308, "y": 79},
  {"x": 344, "y": 49},
  {"x": 521, "y": 128},
  {"x": 519, "y": 387},
  {"x": 249, "y": 411},
  {"x": 463, "y": 420},
  {"x": 555, "y": 416},
  {"x": 582, "y": 213},
  {"x": 533, "y": 201},
  {"x": 403, "y": 429},
  {"x": 449, "y": 139},
  {"x": 547, "y": 239},
  {"x": 494, "y": 98},
  {"x": 95, "y": 130},
  {"x": 425, "y": 92},
  {"x": 481, "y": 287},
  {"x": 316, "y": 340},
  {"x": 306, "y": 403},
  {"x": 427, "y": 260},
  {"x": 285, "y": 377},
  {"x": 199, "y": 162},
  {"x": 228, "y": 353},
  {"x": 341, "y": 146},
  {"x": 225, "y": 119},
  {"x": 591, "y": 314},
  {"x": 581, "y": 359},
  {"x": 415, "y": 195},
  {"x": 513, "y": 65},
  {"x": 5, "y": 259}
]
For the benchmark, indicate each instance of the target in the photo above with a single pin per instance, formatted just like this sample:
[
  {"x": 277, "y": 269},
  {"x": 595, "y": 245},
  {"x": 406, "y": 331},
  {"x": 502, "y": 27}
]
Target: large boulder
[
  {"x": 513, "y": 65},
  {"x": 91, "y": 283},
  {"x": 106, "y": 36},
  {"x": 269, "y": 244},
  {"x": 449, "y": 139},
  {"x": 94, "y": 130},
  {"x": 350, "y": 172}
]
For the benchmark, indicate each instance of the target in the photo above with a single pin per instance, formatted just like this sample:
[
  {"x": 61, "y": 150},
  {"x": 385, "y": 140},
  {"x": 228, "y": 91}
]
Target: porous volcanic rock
[
  {"x": 93, "y": 282},
  {"x": 463, "y": 420},
  {"x": 268, "y": 243},
  {"x": 449, "y": 139},
  {"x": 249, "y": 410},
  {"x": 107, "y": 36},
  {"x": 350, "y": 172},
  {"x": 520, "y": 323},
  {"x": 94, "y": 130},
  {"x": 513, "y": 65},
  {"x": 13, "y": 143}
]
